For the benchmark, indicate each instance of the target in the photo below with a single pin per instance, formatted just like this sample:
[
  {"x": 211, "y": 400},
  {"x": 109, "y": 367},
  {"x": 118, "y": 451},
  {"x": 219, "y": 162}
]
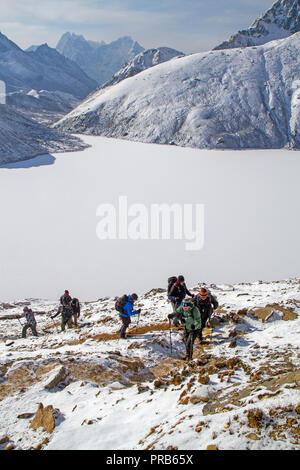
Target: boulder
[
  {"x": 44, "y": 418},
  {"x": 58, "y": 375}
]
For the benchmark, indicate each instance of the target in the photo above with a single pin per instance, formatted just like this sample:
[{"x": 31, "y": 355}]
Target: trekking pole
[
  {"x": 170, "y": 327},
  {"x": 137, "y": 325},
  {"x": 20, "y": 323}
]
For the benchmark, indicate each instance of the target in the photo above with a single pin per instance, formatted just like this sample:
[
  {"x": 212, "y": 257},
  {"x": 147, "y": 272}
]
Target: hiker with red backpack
[
  {"x": 124, "y": 306},
  {"x": 177, "y": 291},
  {"x": 206, "y": 303}
]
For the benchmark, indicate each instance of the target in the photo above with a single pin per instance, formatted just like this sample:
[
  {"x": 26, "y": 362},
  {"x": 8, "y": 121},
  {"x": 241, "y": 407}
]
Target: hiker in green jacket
[{"x": 189, "y": 315}]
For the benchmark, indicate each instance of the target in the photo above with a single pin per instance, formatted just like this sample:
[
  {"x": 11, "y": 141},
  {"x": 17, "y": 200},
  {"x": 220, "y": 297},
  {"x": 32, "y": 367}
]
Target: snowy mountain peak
[
  {"x": 99, "y": 60},
  {"x": 280, "y": 21}
]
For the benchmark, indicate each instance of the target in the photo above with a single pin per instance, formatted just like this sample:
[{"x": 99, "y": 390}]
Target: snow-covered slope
[
  {"x": 43, "y": 106},
  {"x": 22, "y": 138},
  {"x": 99, "y": 60},
  {"x": 143, "y": 61},
  {"x": 238, "y": 98},
  {"x": 280, "y": 21},
  {"x": 42, "y": 69},
  {"x": 240, "y": 392}
]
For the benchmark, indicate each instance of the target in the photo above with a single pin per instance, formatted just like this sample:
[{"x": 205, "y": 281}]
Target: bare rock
[
  {"x": 232, "y": 344},
  {"x": 9, "y": 447},
  {"x": 4, "y": 439},
  {"x": 199, "y": 398},
  {"x": 58, "y": 376},
  {"x": 253, "y": 436},
  {"x": 45, "y": 418},
  {"x": 203, "y": 379},
  {"x": 25, "y": 415},
  {"x": 255, "y": 418}
]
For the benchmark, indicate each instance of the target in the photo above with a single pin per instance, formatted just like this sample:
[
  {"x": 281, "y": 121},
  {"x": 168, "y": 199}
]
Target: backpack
[
  {"x": 75, "y": 305},
  {"x": 65, "y": 300},
  {"x": 120, "y": 303},
  {"x": 171, "y": 282}
]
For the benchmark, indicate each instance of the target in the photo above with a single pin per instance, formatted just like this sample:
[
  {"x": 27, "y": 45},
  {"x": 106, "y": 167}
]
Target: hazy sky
[{"x": 187, "y": 25}]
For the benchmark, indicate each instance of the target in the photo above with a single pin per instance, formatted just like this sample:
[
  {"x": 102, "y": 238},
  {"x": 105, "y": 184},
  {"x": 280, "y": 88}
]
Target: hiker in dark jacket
[
  {"x": 66, "y": 299},
  {"x": 206, "y": 303},
  {"x": 189, "y": 315},
  {"x": 66, "y": 317},
  {"x": 75, "y": 305},
  {"x": 127, "y": 313},
  {"x": 178, "y": 292},
  {"x": 30, "y": 322}
]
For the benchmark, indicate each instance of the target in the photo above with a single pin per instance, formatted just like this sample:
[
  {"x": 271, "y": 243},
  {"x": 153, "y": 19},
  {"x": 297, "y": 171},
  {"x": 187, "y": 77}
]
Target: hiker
[
  {"x": 206, "y": 303},
  {"x": 178, "y": 291},
  {"x": 66, "y": 317},
  {"x": 75, "y": 305},
  {"x": 124, "y": 306},
  {"x": 66, "y": 299},
  {"x": 189, "y": 315},
  {"x": 30, "y": 322}
]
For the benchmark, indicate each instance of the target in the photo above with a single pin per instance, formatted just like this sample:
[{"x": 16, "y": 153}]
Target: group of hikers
[
  {"x": 192, "y": 313},
  {"x": 69, "y": 310}
]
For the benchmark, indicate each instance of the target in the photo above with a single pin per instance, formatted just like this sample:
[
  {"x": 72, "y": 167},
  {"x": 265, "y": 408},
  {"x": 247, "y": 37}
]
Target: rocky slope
[
  {"x": 46, "y": 107},
  {"x": 22, "y": 138},
  {"x": 100, "y": 61},
  {"x": 280, "y": 21},
  {"x": 70, "y": 390},
  {"x": 238, "y": 98}
]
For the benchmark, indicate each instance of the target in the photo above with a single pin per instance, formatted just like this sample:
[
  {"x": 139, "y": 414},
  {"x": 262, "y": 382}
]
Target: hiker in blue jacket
[{"x": 128, "y": 312}]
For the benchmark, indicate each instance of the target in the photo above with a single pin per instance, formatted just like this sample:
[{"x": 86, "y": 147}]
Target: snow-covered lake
[{"x": 48, "y": 239}]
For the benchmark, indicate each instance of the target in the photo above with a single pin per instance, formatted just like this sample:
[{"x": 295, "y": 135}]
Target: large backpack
[
  {"x": 171, "y": 282},
  {"x": 120, "y": 303},
  {"x": 75, "y": 305}
]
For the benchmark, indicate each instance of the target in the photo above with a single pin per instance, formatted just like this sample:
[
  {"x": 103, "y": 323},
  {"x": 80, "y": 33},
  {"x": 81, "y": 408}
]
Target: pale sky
[{"x": 186, "y": 25}]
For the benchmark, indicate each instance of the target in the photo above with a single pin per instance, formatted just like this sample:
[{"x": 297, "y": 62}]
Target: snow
[
  {"x": 91, "y": 412},
  {"x": 238, "y": 98},
  {"x": 48, "y": 221},
  {"x": 143, "y": 61}
]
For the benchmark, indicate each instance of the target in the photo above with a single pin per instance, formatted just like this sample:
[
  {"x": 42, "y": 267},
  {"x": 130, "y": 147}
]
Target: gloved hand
[
  {"x": 183, "y": 321},
  {"x": 52, "y": 318},
  {"x": 170, "y": 316},
  {"x": 139, "y": 311}
]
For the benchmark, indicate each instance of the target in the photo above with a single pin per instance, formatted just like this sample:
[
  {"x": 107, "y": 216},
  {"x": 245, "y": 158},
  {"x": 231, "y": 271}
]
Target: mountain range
[
  {"x": 238, "y": 98},
  {"x": 42, "y": 69},
  {"x": 100, "y": 61}
]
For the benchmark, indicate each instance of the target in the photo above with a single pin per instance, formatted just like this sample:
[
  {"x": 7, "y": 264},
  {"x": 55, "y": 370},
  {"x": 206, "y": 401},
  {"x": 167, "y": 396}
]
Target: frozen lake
[{"x": 48, "y": 239}]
